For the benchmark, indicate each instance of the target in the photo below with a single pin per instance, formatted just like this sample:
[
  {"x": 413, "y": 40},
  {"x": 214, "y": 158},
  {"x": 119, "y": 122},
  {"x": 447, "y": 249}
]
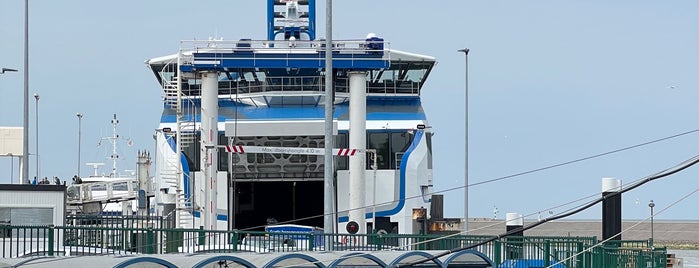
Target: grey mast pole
[
  {"x": 25, "y": 142},
  {"x": 329, "y": 188}
]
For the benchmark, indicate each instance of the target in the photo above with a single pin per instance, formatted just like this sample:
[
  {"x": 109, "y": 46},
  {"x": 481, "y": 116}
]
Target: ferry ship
[{"x": 235, "y": 111}]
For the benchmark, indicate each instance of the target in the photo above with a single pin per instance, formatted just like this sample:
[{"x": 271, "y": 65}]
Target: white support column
[
  {"x": 209, "y": 140},
  {"x": 143, "y": 164},
  {"x": 357, "y": 140},
  {"x": 21, "y": 169}
]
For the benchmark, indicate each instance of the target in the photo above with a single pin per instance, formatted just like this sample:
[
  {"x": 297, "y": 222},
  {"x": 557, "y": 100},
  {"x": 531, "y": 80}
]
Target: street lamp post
[
  {"x": 465, "y": 51},
  {"x": 25, "y": 117},
  {"x": 36, "y": 106},
  {"x": 80, "y": 119},
  {"x": 3, "y": 70},
  {"x": 651, "y": 205}
]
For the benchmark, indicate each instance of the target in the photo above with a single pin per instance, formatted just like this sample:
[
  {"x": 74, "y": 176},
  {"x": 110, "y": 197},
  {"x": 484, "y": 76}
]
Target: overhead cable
[{"x": 686, "y": 164}]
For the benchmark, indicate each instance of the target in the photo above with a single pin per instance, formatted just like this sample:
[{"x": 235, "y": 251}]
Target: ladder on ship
[{"x": 185, "y": 135}]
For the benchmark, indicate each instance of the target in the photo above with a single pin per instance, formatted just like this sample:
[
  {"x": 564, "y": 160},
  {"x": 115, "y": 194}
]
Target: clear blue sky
[{"x": 550, "y": 81}]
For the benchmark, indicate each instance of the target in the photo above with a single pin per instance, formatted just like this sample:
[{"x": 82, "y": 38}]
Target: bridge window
[
  {"x": 379, "y": 142},
  {"x": 342, "y": 141},
  {"x": 400, "y": 141},
  {"x": 193, "y": 154},
  {"x": 390, "y": 147}
]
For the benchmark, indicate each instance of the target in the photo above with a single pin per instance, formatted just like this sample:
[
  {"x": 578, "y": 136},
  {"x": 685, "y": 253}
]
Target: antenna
[
  {"x": 115, "y": 155},
  {"x": 95, "y": 167},
  {"x": 113, "y": 139}
]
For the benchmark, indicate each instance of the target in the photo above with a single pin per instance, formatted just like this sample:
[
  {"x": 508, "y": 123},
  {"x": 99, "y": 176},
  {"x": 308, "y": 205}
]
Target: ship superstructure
[{"x": 229, "y": 104}]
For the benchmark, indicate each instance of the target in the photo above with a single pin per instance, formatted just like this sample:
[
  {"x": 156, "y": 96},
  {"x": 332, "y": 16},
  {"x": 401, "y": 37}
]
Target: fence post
[
  {"x": 581, "y": 257},
  {"x": 547, "y": 253},
  {"x": 202, "y": 236},
  {"x": 235, "y": 240},
  {"x": 497, "y": 258},
  {"x": 311, "y": 239},
  {"x": 51, "y": 239},
  {"x": 150, "y": 242}
]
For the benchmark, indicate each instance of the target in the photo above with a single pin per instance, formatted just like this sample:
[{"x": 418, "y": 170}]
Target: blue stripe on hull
[{"x": 401, "y": 195}]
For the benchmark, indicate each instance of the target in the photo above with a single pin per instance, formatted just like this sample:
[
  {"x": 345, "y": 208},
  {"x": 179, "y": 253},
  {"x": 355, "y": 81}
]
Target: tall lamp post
[
  {"x": 36, "y": 97},
  {"x": 651, "y": 205},
  {"x": 80, "y": 119},
  {"x": 465, "y": 51},
  {"x": 3, "y": 70},
  {"x": 25, "y": 118}
]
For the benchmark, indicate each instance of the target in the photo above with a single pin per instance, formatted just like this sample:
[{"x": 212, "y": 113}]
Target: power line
[
  {"x": 505, "y": 177},
  {"x": 572, "y": 161},
  {"x": 684, "y": 165},
  {"x": 628, "y": 229}
]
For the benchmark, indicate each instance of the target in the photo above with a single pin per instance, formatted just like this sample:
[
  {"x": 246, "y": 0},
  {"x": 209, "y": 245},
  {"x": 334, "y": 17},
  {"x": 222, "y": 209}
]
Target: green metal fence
[{"x": 121, "y": 239}]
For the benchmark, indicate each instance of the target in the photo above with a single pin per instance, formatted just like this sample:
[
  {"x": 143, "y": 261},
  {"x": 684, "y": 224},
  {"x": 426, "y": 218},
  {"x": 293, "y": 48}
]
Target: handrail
[
  {"x": 276, "y": 46},
  {"x": 104, "y": 191},
  {"x": 132, "y": 237}
]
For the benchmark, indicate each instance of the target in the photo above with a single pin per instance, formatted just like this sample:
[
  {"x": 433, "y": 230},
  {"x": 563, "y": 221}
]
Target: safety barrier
[{"x": 151, "y": 238}]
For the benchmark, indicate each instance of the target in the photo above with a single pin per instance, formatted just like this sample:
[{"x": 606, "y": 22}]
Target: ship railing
[
  {"x": 280, "y": 84},
  {"x": 220, "y": 54},
  {"x": 304, "y": 85},
  {"x": 349, "y": 46},
  {"x": 513, "y": 251}
]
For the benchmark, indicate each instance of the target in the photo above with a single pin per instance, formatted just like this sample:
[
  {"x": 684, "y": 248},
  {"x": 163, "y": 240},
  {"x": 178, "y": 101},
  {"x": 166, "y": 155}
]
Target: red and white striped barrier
[
  {"x": 235, "y": 149},
  {"x": 345, "y": 152}
]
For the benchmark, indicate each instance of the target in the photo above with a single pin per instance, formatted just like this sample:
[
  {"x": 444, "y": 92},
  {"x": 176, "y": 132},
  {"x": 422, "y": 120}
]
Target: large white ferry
[{"x": 232, "y": 108}]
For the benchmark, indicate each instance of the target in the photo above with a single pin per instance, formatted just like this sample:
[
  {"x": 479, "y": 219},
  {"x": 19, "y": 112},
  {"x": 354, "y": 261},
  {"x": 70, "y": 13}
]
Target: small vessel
[{"x": 112, "y": 193}]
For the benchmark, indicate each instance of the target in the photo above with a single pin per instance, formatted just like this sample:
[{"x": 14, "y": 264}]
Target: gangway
[{"x": 114, "y": 190}]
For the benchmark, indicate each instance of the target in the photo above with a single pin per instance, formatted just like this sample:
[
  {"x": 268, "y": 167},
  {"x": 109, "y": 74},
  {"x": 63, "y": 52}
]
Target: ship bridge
[{"x": 273, "y": 73}]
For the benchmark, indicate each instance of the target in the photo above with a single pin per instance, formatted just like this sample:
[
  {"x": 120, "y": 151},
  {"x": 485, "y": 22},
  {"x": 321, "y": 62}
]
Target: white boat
[{"x": 109, "y": 193}]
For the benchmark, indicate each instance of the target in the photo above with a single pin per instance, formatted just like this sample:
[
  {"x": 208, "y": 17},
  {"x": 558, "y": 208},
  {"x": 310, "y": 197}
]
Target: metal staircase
[
  {"x": 174, "y": 98},
  {"x": 171, "y": 172}
]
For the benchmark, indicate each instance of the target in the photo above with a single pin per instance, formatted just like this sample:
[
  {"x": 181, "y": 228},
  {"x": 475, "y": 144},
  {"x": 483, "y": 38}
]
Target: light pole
[
  {"x": 465, "y": 51},
  {"x": 25, "y": 119},
  {"x": 3, "y": 70},
  {"x": 651, "y": 205},
  {"x": 36, "y": 106},
  {"x": 80, "y": 119}
]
